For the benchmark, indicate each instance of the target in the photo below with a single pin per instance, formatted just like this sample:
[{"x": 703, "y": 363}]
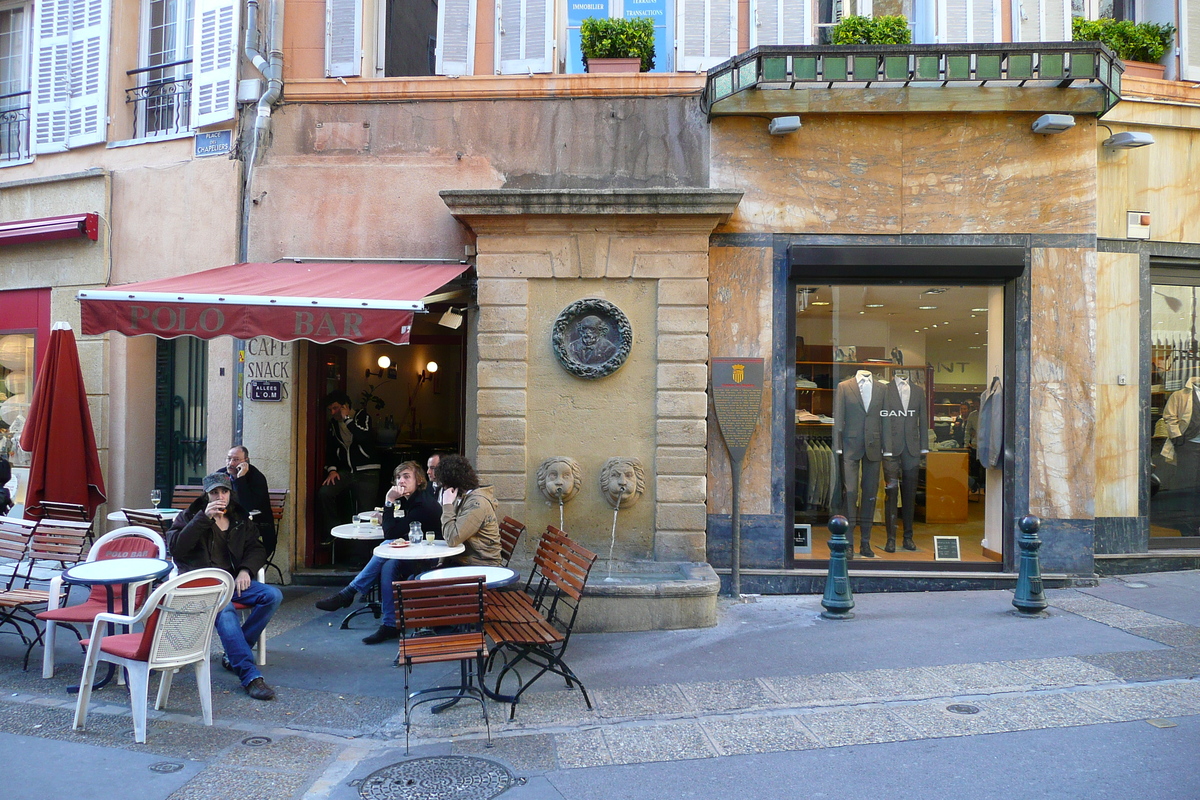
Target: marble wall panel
[
  {"x": 1118, "y": 410},
  {"x": 1062, "y": 403},
  {"x": 1158, "y": 180},
  {"x": 740, "y": 311}
]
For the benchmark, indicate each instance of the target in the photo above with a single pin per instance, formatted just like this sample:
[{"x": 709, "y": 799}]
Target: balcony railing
[
  {"x": 1017, "y": 66},
  {"x": 14, "y": 126},
  {"x": 162, "y": 101}
]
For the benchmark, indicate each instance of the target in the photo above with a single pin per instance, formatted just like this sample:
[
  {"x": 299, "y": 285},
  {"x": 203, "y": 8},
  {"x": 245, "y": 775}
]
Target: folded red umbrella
[{"x": 64, "y": 465}]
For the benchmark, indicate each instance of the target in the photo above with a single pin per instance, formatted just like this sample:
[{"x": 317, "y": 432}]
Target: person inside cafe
[
  {"x": 406, "y": 502},
  {"x": 434, "y": 487},
  {"x": 250, "y": 490},
  {"x": 215, "y": 531},
  {"x": 351, "y": 460}
]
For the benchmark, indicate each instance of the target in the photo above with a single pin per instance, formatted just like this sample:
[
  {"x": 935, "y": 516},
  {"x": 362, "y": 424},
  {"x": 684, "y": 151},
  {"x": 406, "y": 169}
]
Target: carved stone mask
[
  {"x": 623, "y": 481},
  {"x": 558, "y": 478}
]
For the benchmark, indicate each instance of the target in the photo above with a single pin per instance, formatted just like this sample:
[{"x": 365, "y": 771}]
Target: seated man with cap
[{"x": 215, "y": 531}]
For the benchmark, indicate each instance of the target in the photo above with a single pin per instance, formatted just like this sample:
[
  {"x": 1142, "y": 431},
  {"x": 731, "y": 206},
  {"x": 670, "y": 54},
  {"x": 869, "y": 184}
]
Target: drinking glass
[{"x": 156, "y": 497}]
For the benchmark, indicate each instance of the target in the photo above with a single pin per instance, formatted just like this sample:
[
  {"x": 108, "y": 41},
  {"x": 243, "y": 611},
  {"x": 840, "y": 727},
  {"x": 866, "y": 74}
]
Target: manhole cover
[
  {"x": 1137, "y": 585},
  {"x": 166, "y": 766},
  {"x": 255, "y": 741},
  {"x": 436, "y": 778},
  {"x": 962, "y": 708}
]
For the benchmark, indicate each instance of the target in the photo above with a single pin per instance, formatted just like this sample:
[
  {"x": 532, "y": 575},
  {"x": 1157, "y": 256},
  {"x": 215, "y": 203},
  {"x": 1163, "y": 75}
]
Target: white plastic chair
[
  {"x": 135, "y": 544},
  {"x": 179, "y": 619}
]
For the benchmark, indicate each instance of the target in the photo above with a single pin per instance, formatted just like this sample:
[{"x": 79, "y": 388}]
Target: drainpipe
[{"x": 274, "y": 71}]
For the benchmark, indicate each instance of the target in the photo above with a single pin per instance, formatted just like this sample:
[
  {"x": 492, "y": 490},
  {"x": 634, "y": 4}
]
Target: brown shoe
[{"x": 259, "y": 690}]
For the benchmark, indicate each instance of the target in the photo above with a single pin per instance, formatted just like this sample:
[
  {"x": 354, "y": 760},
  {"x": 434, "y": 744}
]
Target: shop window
[
  {"x": 16, "y": 391},
  {"x": 14, "y": 82},
  {"x": 908, "y": 471},
  {"x": 1174, "y": 416}
]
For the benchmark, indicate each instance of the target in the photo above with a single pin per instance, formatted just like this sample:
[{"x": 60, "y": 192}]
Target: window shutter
[
  {"x": 1189, "y": 39},
  {"x": 456, "y": 37},
  {"x": 343, "y": 38},
  {"x": 70, "y": 74},
  {"x": 969, "y": 21},
  {"x": 707, "y": 33},
  {"x": 1043, "y": 21},
  {"x": 523, "y": 36},
  {"x": 780, "y": 22},
  {"x": 214, "y": 62}
]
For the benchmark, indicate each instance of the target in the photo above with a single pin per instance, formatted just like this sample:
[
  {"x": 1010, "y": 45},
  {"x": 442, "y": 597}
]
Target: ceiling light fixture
[
  {"x": 927, "y": 308},
  {"x": 979, "y": 309},
  {"x": 874, "y": 305}
]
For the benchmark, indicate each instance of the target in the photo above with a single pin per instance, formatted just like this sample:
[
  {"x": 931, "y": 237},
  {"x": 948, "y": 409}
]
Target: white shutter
[
  {"x": 1189, "y": 41},
  {"x": 780, "y": 22},
  {"x": 343, "y": 38},
  {"x": 968, "y": 21},
  {"x": 706, "y": 32},
  {"x": 524, "y": 41},
  {"x": 456, "y": 37},
  {"x": 70, "y": 74},
  {"x": 214, "y": 62},
  {"x": 1042, "y": 20}
]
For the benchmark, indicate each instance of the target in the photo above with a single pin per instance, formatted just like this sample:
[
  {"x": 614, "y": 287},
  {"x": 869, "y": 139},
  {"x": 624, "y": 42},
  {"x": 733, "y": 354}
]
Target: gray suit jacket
[
  {"x": 858, "y": 431},
  {"x": 905, "y": 433},
  {"x": 990, "y": 444}
]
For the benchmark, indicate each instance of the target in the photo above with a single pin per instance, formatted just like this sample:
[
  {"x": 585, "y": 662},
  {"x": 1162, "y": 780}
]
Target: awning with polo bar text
[{"x": 319, "y": 302}]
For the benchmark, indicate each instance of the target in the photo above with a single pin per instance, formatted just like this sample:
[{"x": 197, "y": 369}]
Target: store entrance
[
  {"x": 890, "y": 384},
  {"x": 415, "y": 398}
]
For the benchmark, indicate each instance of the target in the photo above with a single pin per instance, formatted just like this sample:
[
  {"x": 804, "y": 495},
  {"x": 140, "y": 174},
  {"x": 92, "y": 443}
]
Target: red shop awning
[
  {"x": 47, "y": 229},
  {"x": 353, "y": 302}
]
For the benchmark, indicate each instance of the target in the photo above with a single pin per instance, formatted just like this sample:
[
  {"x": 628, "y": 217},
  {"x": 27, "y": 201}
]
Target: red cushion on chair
[
  {"x": 84, "y": 612},
  {"x": 126, "y": 645}
]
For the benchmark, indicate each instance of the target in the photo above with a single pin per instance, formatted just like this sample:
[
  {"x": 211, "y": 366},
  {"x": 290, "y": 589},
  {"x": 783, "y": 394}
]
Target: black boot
[
  {"x": 384, "y": 634},
  {"x": 340, "y": 600},
  {"x": 864, "y": 546},
  {"x": 908, "y": 542},
  {"x": 890, "y": 547}
]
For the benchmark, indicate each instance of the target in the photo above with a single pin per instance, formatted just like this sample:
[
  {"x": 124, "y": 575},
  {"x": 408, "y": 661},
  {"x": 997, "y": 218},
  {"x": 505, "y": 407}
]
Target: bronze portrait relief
[{"x": 592, "y": 338}]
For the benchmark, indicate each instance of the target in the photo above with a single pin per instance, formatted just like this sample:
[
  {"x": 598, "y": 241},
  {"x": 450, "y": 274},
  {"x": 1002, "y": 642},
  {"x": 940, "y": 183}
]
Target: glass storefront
[
  {"x": 1174, "y": 423},
  {"x": 889, "y": 381},
  {"x": 16, "y": 391}
]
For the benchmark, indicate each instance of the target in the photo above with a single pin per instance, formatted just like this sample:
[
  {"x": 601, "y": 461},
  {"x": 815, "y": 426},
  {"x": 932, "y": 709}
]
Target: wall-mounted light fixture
[
  {"x": 451, "y": 319},
  {"x": 427, "y": 374},
  {"x": 780, "y": 126},
  {"x": 1125, "y": 140},
  {"x": 385, "y": 365},
  {"x": 1053, "y": 123}
]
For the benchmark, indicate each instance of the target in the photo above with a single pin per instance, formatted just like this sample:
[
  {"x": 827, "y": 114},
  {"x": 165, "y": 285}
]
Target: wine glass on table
[{"x": 155, "y": 498}]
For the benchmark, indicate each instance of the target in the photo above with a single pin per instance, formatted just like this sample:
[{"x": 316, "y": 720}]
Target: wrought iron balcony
[
  {"x": 14, "y": 126},
  {"x": 1065, "y": 77},
  {"x": 162, "y": 101}
]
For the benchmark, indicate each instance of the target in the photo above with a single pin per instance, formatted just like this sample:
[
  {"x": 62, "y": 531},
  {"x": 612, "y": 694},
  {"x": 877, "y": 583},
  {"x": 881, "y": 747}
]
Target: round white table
[
  {"x": 165, "y": 513},
  {"x": 493, "y": 577},
  {"x": 418, "y": 552},
  {"x": 353, "y": 530}
]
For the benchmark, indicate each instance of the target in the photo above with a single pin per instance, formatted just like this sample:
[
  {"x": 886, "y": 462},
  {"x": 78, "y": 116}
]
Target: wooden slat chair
[
  {"x": 14, "y": 543},
  {"x": 278, "y": 504},
  {"x": 542, "y": 640},
  {"x": 129, "y": 542},
  {"x": 453, "y": 604},
  {"x": 183, "y": 494},
  {"x": 510, "y": 534},
  {"x": 73, "y": 512},
  {"x": 53, "y": 542},
  {"x": 146, "y": 520}
]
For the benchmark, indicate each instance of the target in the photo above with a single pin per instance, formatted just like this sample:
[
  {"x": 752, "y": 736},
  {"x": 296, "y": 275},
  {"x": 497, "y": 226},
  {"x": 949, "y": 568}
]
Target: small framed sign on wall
[{"x": 945, "y": 548}]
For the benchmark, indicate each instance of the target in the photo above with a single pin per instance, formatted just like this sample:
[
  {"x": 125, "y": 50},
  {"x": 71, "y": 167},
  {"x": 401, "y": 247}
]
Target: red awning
[
  {"x": 354, "y": 302},
  {"x": 72, "y": 226}
]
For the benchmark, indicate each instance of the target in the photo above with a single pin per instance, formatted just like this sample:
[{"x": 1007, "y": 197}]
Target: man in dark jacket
[
  {"x": 250, "y": 488},
  {"x": 215, "y": 531},
  {"x": 351, "y": 460}
]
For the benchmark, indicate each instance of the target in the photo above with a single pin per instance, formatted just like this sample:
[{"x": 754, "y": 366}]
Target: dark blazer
[
  {"x": 190, "y": 540},
  {"x": 858, "y": 431},
  {"x": 905, "y": 433}
]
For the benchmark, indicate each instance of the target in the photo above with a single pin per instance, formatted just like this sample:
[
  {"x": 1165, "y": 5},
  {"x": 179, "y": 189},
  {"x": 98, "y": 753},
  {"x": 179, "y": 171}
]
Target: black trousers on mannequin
[
  {"x": 1187, "y": 486},
  {"x": 900, "y": 483},
  {"x": 860, "y": 503}
]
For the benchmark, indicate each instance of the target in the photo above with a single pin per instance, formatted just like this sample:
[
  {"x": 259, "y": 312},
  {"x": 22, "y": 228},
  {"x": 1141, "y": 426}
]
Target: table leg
[{"x": 112, "y": 668}]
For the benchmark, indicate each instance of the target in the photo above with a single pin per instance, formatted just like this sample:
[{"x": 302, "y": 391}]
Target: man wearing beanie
[{"x": 217, "y": 532}]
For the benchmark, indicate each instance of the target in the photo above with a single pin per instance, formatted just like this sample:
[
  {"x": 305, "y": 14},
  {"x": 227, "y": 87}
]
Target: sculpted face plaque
[{"x": 592, "y": 338}]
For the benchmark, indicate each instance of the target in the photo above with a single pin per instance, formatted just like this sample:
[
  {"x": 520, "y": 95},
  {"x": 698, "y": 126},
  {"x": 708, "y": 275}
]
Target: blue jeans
[
  {"x": 395, "y": 570},
  {"x": 237, "y": 637}
]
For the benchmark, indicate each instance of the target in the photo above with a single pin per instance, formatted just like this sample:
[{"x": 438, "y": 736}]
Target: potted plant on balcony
[
  {"x": 872, "y": 30},
  {"x": 617, "y": 45},
  {"x": 1139, "y": 44}
]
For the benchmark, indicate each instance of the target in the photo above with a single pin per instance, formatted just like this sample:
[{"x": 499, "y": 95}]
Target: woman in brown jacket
[{"x": 468, "y": 514}]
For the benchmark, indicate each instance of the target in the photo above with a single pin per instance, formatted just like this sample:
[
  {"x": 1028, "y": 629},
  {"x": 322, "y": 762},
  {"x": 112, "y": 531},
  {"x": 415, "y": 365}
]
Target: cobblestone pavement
[{"x": 310, "y": 742}]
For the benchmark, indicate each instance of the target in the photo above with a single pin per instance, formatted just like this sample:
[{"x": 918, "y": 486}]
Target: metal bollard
[
  {"x": 838, "y": 599},
  {"x": 1029, "y": 598}
]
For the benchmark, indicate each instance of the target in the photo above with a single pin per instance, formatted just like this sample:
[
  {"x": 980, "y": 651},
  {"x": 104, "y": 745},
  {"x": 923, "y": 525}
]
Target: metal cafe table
[
  {"x": 110, "y": 573},
  {"x": 493, "y": 577}
]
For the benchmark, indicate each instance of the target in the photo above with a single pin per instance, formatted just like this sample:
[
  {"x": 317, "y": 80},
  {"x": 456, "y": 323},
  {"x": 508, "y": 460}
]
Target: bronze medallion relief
[{"x": 592, "y": 338}]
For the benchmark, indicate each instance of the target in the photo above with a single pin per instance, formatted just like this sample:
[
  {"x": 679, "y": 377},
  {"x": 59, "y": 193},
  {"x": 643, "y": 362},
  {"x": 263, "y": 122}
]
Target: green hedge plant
[
  {"x": 632, "y": 37},
  {"x": 1131, "y": 41},
  {"x": 872, "y": 30}
]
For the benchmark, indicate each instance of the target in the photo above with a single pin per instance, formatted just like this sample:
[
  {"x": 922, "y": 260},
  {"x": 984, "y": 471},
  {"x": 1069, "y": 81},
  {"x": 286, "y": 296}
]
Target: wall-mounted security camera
[
  {"x": 781, "y": 125},
  {"x": 1053, "y": 123}
]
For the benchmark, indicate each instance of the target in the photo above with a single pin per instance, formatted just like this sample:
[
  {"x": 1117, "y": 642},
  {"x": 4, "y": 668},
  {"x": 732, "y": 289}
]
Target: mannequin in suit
[
  {"x": 905, "y": 435},
  {"x": 858, "y": 438}
]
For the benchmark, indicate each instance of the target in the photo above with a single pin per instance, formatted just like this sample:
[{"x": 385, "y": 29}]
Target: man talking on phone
[{"x": 215, "y": 531}]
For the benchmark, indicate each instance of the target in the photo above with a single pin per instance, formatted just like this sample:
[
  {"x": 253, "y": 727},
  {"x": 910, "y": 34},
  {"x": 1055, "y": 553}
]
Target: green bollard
[
  {"x": 838, "y": 599},
  {"x": 1029, "y": 598}
]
